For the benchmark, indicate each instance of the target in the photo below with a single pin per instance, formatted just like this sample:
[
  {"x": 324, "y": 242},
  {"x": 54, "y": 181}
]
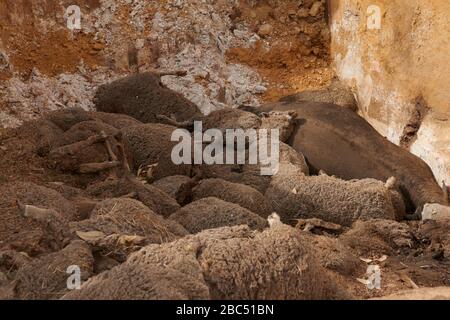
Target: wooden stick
[
  {"x": 109, "y": 148},
  {"x": 178, "y": 73}
]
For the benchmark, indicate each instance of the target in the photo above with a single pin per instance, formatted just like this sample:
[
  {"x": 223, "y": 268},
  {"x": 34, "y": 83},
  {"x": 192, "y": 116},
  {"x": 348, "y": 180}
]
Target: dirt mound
[
  {"x": 143, "y": 97},
  {"x": 245, "y": 196},
  {"x": 437, "y": 235},
  {"x": 210, "y": 213}
]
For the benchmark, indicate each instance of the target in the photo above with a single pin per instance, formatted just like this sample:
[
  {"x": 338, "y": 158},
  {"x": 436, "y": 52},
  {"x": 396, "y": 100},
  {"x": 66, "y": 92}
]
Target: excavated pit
[{"x": 86, "y": 176}]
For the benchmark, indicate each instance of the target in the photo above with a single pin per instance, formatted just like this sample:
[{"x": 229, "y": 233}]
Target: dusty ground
[{"x": 397, "y": 70}]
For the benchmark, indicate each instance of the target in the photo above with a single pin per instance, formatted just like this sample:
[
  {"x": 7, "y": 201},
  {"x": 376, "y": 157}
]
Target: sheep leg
[
  {"x": 36, "y": 213},
  {"x": 116, "y": 245},
  {"x": 310, "y": 224},
  {"x": 97, "y": 167},
  {"x": 123, "y": 156},
  {"x": 112, "y": 156},
  {"x": 111, "y": 153},
  {"x": 71, "y": 149}
]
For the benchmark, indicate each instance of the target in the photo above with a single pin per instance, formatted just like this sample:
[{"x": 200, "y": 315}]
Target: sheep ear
[
  {"x": 293, "y": 114},
  {"x": 299, "y": 122},
  {"x": 264, "y": 115}
]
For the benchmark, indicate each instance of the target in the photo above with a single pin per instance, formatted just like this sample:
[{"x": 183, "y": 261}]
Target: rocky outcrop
[{"x": 395, "y": 56}]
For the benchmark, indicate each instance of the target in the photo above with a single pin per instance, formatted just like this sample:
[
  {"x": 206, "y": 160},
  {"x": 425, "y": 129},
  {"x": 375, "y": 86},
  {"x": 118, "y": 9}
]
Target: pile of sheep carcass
[{"x": 140, "y": 227}]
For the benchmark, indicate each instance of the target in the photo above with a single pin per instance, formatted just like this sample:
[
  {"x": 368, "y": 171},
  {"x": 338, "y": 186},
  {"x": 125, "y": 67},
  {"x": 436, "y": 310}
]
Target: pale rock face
[{"x": 390, "y": 65}]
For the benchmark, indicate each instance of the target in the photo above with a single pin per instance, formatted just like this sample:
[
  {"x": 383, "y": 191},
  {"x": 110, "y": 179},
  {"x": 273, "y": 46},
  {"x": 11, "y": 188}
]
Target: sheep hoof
[{"x": 311, "y": 224}]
